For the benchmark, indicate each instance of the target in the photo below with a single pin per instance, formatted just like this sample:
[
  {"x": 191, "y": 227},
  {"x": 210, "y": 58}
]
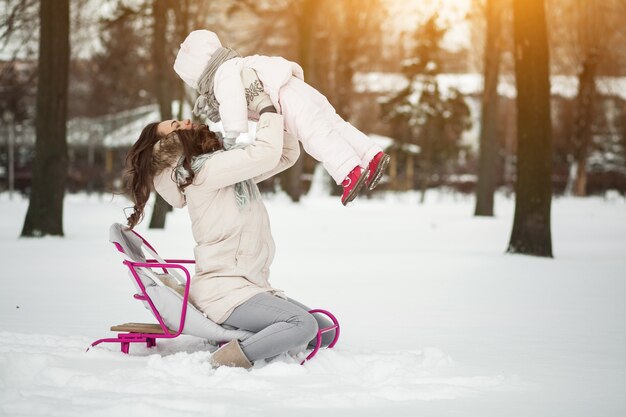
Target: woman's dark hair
[{"x": 152, "y": 153}]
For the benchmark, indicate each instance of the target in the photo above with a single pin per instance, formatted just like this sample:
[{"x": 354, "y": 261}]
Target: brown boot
[{"x": 230, "y": 355}]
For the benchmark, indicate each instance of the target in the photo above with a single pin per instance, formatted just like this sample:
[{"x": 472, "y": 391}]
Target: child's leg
[
  {"x": 280, "y": 326},
  {"x": 362, "y": 144},
  {"x": 309, "y": 116},
  {"x": 337, "y": 156}
]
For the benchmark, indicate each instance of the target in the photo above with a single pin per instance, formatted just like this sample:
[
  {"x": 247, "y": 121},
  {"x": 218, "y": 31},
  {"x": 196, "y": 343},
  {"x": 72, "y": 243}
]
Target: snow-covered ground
[{"x": 436, "y": 319}]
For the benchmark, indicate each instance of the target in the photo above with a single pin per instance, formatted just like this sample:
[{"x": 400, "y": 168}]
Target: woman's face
[{"x": 168, "y": 126}]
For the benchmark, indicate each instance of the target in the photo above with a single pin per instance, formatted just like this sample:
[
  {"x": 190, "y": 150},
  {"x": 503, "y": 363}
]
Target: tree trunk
[
  {"x": 409, "y": 171},
  {"x": 584, "y": 120},
  {"x": 426, "y": 154},
  {"x": 345, "y": 56},
  {"x": 533, "y": 188},
  {"x": 183, "y": 20},
  {"x": 423, "y": 184},
  {"x": 45, "y": 208},
  {"x": 291, "y": 179},
  {"x": 486, "y": 185},
  {"x": 393, "y": 169},
  {"x": 306, "y": 18},
  {"x": 164, "y": 92},
  {"x": 357, "y": 17}
]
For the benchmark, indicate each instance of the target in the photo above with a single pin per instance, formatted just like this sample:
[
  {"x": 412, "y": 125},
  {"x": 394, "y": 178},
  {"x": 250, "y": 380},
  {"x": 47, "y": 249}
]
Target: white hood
[{"x": 194, "y": 54}]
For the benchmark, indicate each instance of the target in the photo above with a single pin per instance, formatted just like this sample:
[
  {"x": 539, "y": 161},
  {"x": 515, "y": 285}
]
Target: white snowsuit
[{"x": 308, "y": 114}]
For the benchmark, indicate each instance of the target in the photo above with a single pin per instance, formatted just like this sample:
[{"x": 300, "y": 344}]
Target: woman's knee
[{"x": 308, "y": 328}]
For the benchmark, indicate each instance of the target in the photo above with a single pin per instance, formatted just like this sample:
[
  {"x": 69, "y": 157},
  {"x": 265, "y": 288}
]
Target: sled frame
[{"x": 148, "y": 333}]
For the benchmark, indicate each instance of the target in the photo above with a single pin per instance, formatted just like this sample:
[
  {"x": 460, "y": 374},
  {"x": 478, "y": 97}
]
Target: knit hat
[{"x": 194, "y": 54}]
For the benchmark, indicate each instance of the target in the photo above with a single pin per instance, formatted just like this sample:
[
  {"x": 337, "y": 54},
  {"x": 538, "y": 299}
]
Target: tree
[
  {"x": 587, "y": 37},
  {"x": 123, "y": 66},
  {"x": 533, "y": 187},
  {"x": 269, "y": 19},
  {"x": 45, "y": 208},
  {"x": 328, "y": 38},
  {"x": 18, "y": 33},
  {"x": 331, "y": 44},
  {"x": 128, "y": 68},
  {"x": 583, "y": 119},
  {"x": 16, "y": 92},
  {"x": 352, "y": 33},
  {"x": 305, "y": 13},
  {"x": 486, "y": 185},
  {"x": 593, "y": 38},
  {"x": 164, "y": 89},
  {"x": 425, "y": 116}
]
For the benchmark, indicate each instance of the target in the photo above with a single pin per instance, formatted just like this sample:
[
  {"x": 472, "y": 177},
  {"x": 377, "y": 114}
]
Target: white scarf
[
  {"x": 206, "y": 104},
  {"x": 245, "y": 191}
]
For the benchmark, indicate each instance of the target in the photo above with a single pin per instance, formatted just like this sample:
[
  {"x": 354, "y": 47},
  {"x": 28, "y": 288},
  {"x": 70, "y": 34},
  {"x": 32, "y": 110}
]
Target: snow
[
  {"x": 136, "y": 120},
  {"x": 436, "y": 319},
  {"x": 472, "y": 84},
  {"x": 126, "y": 134}
]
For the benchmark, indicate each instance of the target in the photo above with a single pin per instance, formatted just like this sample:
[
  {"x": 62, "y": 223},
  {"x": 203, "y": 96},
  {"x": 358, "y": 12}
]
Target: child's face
[{"x": 168, "y": 126}]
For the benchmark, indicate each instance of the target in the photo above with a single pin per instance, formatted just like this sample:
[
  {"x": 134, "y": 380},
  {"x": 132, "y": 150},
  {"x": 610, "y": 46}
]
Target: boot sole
[
  {"x": 384, "y": 161},
  {"x": 357, "y": 188}
]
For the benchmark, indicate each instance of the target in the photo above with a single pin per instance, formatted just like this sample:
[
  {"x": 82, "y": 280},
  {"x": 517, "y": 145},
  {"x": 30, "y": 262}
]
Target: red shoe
[
  {"x": 376, "y": 169},
  {"x": 353, "y": 184}
]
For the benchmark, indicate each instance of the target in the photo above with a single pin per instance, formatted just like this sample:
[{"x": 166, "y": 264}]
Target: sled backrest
[
  {"x": 127, "y": 242},
  {"x": 134, "y": 247},
  {"x": 165, "y": 301}
]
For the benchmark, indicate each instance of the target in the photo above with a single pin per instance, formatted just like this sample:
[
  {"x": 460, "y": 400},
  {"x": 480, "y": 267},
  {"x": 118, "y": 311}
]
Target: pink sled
[{"x": 172, "y": 296}]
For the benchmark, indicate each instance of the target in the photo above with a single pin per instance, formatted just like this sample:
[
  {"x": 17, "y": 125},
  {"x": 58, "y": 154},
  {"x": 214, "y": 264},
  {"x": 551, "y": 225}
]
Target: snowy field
[{"x": 436, "y": 319}]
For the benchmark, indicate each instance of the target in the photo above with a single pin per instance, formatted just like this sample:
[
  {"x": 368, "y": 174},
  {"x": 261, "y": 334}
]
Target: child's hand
[{"x": 256, "y": 97}]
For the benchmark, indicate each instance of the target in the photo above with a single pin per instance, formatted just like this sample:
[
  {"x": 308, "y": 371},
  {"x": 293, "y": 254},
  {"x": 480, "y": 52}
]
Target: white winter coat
[
  {"x": 308, "y": 114},
  {"x": 274, "y": 72}
]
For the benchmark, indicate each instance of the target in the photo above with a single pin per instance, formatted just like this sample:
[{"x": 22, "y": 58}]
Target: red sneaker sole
[
  {"x": 357, "y": 187},
  {"x": 384, "y": 161}
]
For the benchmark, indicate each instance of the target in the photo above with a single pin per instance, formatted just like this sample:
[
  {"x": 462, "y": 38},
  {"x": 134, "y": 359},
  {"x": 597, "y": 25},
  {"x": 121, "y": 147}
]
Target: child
[{"x": 349, "y": 156}]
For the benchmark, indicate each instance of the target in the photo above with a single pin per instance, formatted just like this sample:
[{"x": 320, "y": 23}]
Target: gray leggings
[{"x": 279, "y": 326}]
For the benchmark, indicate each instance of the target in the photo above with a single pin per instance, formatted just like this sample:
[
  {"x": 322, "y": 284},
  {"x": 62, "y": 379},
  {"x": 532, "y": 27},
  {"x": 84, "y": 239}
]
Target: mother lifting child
[{"x": 188, "y": 165}]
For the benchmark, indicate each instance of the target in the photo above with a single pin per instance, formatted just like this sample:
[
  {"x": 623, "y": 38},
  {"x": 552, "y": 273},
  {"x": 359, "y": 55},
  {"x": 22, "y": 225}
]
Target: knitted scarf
[
  {"x": 245, "y": 191},
  {"x": 206, "y": 104}
]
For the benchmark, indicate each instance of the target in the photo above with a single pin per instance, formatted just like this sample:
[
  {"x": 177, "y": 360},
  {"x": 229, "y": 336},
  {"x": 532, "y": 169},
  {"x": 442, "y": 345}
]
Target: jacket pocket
[{"x": 248, "y": 245}]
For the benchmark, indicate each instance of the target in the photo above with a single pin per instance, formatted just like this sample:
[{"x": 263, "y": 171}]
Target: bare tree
[
  {"x": 591, "y": 41},
  {"x": 304, "y": 13},
  {"x": 172, "y": 22},
  {"x": 45, "y": 208},
  {"x": 533, "y": 189},
  {"x": 353, "y": 36},
  {"x": 489, "y": 117},
  {"x": 329, "y": 39},
  {"x": 18, "y": 42},
  {"x": 18, "y": 24},
  {"x": 587, "y": 39},
  {"x": 164, "y": 90},
  {"x": 332, "y": 38}
]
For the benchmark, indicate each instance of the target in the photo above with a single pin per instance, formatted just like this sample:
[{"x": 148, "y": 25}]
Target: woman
[{"x": 188, "y": 166}]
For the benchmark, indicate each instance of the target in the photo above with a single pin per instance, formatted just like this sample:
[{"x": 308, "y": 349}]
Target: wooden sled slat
[{"x": 139, "y": 328}]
